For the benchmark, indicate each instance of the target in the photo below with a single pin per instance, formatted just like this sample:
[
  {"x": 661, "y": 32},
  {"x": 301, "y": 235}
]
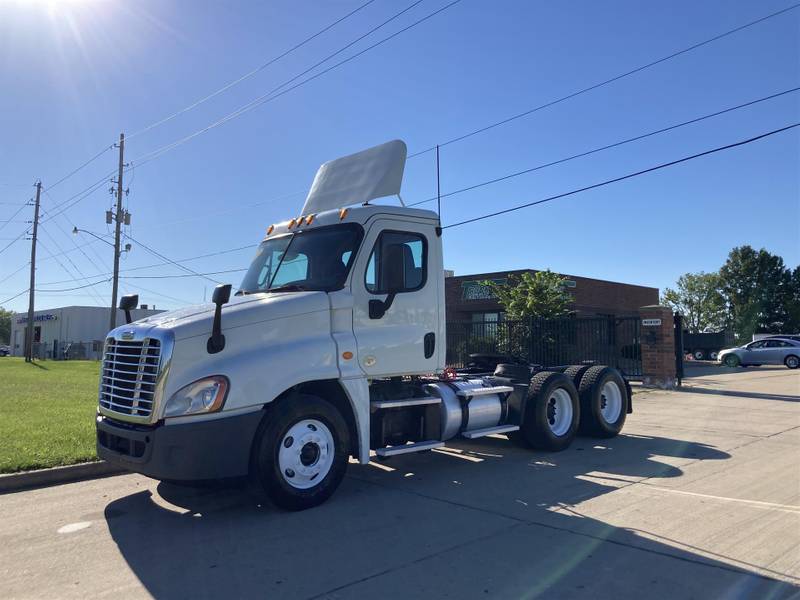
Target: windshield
[{"x": 316, "y": 259}]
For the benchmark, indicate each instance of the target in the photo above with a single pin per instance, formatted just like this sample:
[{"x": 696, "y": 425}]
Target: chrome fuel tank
[{"x": 485, "y": 410}]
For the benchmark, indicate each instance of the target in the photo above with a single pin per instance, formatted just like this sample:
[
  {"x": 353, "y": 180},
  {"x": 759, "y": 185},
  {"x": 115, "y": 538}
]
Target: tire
[
  {"x": 552, "y": 413},
  {"x": 731, "y": 360},
  {"x": 297, "y": 474},
  {"x": 575, "y": 373},
  {"x": 792, "y": 361},
  {"x": 699, "y": 354},
  {"x": 713, "y": 355},
  {"x": 604, "y": 402}
]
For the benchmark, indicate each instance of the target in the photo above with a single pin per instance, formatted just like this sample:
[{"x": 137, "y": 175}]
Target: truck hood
[{"x": 239, "y": 312}]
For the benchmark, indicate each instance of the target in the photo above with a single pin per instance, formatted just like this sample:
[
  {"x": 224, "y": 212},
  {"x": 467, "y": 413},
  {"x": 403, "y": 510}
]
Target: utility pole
[
  {"x": 119, "y": 218},
  {"x": 29, "y": 325}
]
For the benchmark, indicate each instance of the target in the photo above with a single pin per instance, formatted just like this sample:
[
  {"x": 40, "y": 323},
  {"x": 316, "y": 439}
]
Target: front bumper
[{"x": 211, "y": 449}]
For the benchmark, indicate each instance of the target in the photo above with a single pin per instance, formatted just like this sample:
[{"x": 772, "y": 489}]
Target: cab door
[{"x": 395, "y": 284}]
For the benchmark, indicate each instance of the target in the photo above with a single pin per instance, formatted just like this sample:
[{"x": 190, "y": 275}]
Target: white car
[{"x": 769, "y": 351}]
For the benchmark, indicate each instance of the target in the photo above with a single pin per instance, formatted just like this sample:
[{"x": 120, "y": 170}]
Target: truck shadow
[{"x": 476, "y": 519}]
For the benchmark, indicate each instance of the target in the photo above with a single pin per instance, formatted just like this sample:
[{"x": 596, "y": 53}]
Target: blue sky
[{"x": 74, "y": 73}]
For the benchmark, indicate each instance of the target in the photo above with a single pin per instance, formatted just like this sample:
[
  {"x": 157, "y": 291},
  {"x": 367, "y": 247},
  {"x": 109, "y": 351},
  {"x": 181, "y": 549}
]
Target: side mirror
[
  {"x": 222, "y": 294},
  {"x": 128, "y": 303}
]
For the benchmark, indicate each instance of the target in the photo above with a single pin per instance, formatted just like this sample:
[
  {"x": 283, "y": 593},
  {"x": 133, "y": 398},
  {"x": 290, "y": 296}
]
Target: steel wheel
[
  {"x": 306, "y": 453},
  {"x": 610, "y": 401},
  {"x": 559, "y": 411}
]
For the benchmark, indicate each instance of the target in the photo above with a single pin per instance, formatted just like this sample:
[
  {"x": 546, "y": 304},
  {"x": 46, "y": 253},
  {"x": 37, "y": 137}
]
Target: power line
[
  {"x": 270, "y": 96},
  {"x": 250, "y": 74},
  {"x": 80, "y": 273},
  {"x": 606, "y": 82},
  {"x": 161, "y": 256},
  {"x": 19, "y": 210},
  {"x": 622, "y": 178},
  {"x": 80, "y": 287},
  {"x": 85, "y": 164},
  {"x": 7, "y": 277},
  {"x": 608, "y": 146},
  {"x": 181, "y": 276},
  {"x": 25, "y": 291},
  {"x": 161, "y": 264}
]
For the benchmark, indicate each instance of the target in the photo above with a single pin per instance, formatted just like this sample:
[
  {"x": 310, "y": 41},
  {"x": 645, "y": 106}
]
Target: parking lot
[{"x": 699, "y": 498}]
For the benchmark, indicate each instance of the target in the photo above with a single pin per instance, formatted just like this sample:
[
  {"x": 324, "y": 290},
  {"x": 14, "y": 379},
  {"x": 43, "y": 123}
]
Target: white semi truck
[{"x": 333, "y": 346}]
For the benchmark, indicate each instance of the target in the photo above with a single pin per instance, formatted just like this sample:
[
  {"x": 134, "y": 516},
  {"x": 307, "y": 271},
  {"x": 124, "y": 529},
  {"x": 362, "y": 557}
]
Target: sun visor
[{"x": 372, "y": 173}]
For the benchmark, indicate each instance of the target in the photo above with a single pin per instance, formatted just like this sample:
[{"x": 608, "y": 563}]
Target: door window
[
  {"x": 777, "y": 344},
  {"x": 413, "y": 253}
]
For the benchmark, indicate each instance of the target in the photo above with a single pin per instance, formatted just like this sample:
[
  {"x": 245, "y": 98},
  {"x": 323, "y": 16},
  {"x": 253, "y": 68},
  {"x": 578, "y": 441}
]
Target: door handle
[{"x": 429, "y": 344}]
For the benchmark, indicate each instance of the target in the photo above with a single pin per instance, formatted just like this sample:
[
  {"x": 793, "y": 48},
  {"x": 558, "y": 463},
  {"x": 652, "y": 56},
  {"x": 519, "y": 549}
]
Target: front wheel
[
  {"x": 699, "y": 355},
  {"x": 792, "y": 361},
  {"x": 731, "y": 360},
  {"x": 301, "y": 452}
]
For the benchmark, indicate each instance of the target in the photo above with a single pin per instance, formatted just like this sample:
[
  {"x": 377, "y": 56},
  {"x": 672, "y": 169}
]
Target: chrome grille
[{"x": 129, "y": 377}]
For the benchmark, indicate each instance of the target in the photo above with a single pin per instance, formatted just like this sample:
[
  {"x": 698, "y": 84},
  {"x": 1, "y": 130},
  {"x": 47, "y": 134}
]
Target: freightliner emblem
[{"x": 127, "y": 335}]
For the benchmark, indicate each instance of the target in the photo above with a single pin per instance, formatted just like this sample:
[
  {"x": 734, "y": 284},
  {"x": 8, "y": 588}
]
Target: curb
[{"x": 15, "y": 482}]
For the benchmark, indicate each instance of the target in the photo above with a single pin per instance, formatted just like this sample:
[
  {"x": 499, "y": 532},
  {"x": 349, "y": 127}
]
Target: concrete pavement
[{"x": 699, "y": 498}]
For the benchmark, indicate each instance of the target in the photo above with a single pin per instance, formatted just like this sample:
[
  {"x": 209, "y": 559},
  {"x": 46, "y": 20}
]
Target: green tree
[
  {"x": 541, "y": 294},
  {"x": 5, "y": 325},
  {"x": 697, "y": 296},
  {"x": 759, "y": 292}
]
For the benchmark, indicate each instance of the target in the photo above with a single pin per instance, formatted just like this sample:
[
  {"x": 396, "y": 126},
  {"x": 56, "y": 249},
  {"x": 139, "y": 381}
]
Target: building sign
[
  {"x": 651, "y": 322},
  {"x": 476, "y": 290},
  {"x": 38, "y": 318}
]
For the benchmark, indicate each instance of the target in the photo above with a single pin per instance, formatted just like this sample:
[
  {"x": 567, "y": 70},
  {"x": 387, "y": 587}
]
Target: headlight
[{"x": 203, "y": 396}]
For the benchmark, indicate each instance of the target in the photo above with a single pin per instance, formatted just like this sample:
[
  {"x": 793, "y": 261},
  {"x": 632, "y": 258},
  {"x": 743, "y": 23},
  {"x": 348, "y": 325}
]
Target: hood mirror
[
  {"x": 128, "y": 303},
  {"x": 222, "y": 294}
]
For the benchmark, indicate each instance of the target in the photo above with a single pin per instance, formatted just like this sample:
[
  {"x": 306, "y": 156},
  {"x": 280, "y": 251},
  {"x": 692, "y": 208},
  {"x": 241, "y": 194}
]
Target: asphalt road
[{"x": 700, "y": 498}]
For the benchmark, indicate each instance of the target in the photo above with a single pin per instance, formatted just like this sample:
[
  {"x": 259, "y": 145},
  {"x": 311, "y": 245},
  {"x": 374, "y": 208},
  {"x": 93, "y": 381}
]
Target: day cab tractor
[{"x": 333, "y": 346}]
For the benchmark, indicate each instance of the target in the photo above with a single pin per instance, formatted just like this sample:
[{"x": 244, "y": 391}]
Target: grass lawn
[{"x": 46, "y": 413}]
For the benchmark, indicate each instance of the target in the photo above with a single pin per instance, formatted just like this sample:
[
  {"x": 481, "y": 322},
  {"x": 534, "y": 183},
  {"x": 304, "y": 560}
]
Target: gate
[
  {"x": 679, "y": 354},
  {"x": 613, "y": 341}
]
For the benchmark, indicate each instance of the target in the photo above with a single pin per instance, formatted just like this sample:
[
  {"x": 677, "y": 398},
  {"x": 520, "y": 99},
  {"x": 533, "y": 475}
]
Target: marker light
[
  {"x": 309, "y": 219},
  {"x": 342, "y": 213},
  {"x": 291, "y": 223},
  {"x": 270, "y": 229}
]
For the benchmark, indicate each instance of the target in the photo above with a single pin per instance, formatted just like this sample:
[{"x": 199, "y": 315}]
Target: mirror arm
[{"x": 378, "y": 308}]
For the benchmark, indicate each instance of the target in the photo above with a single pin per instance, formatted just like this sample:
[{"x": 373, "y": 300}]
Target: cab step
[
  {"x": 380, "y": 404},
  {"x": 407, "y": 448},
  {"x": 484, "y": 391},
  {"x": 476, "y": 433}
]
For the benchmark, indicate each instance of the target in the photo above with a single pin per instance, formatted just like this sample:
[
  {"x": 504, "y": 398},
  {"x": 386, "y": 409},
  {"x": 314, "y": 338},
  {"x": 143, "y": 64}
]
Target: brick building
[{"x": 467, "y": 300}]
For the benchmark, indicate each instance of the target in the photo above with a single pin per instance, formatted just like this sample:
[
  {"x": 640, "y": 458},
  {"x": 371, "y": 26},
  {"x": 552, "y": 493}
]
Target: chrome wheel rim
[
  {"x": 559, "y": 412},
  {"x": 610, "y": 402},
  {"x": 306, "y": 453}
]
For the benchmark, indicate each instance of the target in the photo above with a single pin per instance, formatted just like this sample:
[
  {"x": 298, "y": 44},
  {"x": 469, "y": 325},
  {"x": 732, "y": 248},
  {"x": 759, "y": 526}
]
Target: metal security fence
[{"x": 613, "y": 341}]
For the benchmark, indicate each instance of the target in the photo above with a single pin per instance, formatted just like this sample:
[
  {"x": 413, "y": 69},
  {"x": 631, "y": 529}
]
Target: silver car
[{"x": 769, "y": 351}]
